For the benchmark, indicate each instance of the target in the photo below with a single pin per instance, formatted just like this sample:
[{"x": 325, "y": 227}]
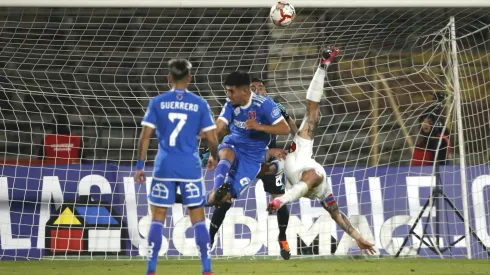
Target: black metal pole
[{"x": 437, "y": 202}]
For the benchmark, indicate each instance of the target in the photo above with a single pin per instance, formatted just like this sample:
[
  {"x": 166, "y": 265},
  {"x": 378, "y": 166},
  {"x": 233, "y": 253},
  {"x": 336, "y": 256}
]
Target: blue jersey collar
[
  {"x": 249, "y": 102},
  {"x": 179, "y": 90}
]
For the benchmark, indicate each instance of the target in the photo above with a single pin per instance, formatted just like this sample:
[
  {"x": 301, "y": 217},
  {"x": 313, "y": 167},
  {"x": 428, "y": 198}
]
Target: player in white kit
[{"x": 306, "y": 177}]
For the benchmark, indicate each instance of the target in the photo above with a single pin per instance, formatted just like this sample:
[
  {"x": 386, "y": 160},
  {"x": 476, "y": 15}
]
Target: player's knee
[
  {"x": 158, "y": 213},
  {"x": 227, "y": 153},
  {"x": 312, "y": 177},
  {"x": 196, "y": 214}
]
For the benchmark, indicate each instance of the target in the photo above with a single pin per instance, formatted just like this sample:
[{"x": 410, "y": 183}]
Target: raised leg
[{"x": 314, "y": 95}]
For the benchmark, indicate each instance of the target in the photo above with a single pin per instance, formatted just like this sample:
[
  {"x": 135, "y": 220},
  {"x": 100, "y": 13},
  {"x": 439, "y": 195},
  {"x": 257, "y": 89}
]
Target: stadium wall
[{"x": 382, "y": 202}]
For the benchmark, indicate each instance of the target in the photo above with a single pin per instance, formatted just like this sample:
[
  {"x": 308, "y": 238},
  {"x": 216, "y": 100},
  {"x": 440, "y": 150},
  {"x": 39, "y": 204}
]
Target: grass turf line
[{"x": 330, "y": 266}]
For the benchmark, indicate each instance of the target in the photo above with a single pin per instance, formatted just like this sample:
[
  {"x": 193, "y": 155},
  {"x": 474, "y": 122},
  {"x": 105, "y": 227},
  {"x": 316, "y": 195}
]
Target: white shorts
[{"x": 301, "y": 160}]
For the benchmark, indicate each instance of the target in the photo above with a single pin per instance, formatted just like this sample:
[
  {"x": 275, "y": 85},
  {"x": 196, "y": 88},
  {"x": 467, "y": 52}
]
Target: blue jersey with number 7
[{"x": 178, "y": 116}]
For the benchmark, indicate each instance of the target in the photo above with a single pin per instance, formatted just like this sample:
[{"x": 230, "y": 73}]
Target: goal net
[{"x": 93, "y": 70}]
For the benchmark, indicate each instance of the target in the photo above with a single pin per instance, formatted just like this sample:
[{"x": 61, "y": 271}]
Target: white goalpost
[
  {"x": 457, "y": 103},
  {"x": 93, "y": 66}
]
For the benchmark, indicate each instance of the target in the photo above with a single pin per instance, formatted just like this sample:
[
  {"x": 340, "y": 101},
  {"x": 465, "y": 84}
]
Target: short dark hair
[
  {"x": 238, "y": 78},
  {"x": 256, "y": 79},
  {"x": 179, "y": 68}
]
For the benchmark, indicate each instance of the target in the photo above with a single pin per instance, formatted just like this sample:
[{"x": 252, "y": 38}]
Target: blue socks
[
  {"x": 154, "y": 244},
  {"x": 201, "y": 235},
  {"x": 221, "y": 172}
]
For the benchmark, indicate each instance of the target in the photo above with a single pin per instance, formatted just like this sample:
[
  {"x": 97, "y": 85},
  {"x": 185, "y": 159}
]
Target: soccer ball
[{"x": 282, "y": 14}]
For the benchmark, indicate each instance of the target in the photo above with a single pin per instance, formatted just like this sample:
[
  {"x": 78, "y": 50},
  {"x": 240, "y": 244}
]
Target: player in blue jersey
[
  {"x": 251, "y": 120},
  {"x": 178, "y": 116},
  {"x": 273, "y": 183}
]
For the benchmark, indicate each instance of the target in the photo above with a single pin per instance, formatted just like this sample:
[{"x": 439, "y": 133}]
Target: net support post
[{"x": 459, "y": 123}]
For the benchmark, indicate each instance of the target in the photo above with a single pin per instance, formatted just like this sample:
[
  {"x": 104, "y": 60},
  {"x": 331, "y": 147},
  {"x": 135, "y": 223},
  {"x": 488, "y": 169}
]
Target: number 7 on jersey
[{"x": 182, "y": 120}]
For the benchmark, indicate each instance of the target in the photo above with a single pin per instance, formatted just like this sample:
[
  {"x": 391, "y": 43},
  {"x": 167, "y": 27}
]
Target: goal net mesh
[{"x": 94, "y": 71}]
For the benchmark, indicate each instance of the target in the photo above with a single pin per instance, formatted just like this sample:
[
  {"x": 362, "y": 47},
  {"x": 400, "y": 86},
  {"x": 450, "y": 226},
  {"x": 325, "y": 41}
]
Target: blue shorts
[
  {"x": 162, "y": 193},
  {"x": 242, "y": 172}
]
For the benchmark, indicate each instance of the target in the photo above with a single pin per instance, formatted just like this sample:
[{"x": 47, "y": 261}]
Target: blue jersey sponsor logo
[{"x": 251, "y": 142}]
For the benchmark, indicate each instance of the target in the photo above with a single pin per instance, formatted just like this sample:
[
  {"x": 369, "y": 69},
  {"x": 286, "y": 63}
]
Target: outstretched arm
[
  {"x": 341, "y": 219},
  {"x": 344, "y": 223}
]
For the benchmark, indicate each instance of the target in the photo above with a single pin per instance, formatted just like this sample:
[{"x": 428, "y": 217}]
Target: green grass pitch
[{"x": 255, "y": 267}]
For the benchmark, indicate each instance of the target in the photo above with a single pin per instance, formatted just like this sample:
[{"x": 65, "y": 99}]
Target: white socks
[
  {"x": 315, "y": 90},
  {"x": 298, "y": 191}
]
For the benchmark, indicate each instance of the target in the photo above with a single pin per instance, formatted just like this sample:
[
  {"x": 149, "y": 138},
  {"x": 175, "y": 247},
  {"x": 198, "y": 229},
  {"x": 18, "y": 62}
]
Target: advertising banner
[{"x": 98, "y": 210}]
